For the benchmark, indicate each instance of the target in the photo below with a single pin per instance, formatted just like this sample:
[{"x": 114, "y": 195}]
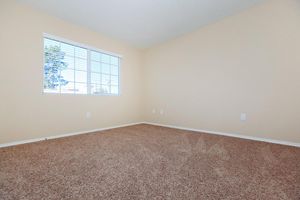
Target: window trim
[{"x": 89, "y": 49}]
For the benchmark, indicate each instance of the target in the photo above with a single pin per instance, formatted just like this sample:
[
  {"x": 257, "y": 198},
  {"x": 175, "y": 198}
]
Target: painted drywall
[
  {"x": 247, "y": 63},
  {"x": 25, "y": 112}
]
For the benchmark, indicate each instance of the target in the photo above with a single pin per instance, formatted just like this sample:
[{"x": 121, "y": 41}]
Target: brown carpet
[{"x": 149, "y": 162}]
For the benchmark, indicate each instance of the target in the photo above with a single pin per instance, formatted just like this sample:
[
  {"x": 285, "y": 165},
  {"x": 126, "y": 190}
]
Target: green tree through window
[{"x": 54, "y": 64}]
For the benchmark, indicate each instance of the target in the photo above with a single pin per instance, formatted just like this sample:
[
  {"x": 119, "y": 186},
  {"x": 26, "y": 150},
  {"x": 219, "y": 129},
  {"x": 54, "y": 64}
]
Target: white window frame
[{"x": 89, "y": 49}]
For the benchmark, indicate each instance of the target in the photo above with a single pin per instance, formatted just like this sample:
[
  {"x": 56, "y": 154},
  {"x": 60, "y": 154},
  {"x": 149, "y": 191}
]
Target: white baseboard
[
  {"x": 155, "y": 124},
  {"x": 229, "y": 134},
  {"x": 65, "y": 135}
]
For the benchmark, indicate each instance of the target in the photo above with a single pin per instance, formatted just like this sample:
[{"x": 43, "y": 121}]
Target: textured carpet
[{"x": 149, "y": 162}]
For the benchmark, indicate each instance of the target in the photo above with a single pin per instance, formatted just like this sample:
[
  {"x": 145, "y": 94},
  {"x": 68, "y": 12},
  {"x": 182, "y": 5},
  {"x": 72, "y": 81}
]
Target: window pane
[
  {"x": 114, "y": 89},
  {"x": 68, "y": 49},
  {"x": 95, "y": 67},
  {"x": 48, "y": 43},
  {"x": 97, "y": 89},
  {"x": 80, "y": 88},
  {"x": 80, "y": 76},
  {"x": 114, "y": 80},
  {"x": 52, "y": 67},
  {"x": 105, "y": 89},
  {"x": 114, "y": 70},
  {"x": 105, "y": 69},
  {"x": 105, "y": 58},
  {"x": 80, "y": 53},
  {"x": 69, "y": 61},
  {"x": 49, "y": 90},
  {"x": 67, "y": 75},
  {"x": 95, "y": 56},
  {"x": 105, "y": 79},
  {"x": 95, "y": 78},
  {"x": 80, "y": 64},
  {"x": 68, "y": 88},
  {"x": 114, "y": 60}
]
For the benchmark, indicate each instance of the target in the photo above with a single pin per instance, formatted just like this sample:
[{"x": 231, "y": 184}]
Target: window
[{"x": 74, "y": 69}]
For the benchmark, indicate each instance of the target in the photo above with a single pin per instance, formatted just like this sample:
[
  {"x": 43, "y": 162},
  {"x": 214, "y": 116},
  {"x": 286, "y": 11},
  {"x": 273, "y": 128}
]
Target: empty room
[{"x": 150, "y": 99}]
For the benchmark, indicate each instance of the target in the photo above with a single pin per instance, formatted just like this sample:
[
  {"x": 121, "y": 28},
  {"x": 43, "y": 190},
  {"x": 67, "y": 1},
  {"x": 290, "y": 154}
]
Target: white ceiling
[{"x": 142, "y": 23}]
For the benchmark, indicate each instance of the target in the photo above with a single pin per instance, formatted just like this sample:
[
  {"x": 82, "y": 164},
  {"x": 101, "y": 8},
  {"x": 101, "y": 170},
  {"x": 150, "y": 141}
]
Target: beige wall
[
  {"x": 248, "y": 63},
  {"x": 245, "y": 63},
  {"x": 25, "y": 112}
]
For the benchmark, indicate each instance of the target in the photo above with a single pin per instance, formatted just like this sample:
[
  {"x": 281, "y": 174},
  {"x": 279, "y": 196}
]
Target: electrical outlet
[
  {"x": 88, "y": 115},
  {"x": 161, "y": 111},
  {"x": 243, "y": 117}
]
